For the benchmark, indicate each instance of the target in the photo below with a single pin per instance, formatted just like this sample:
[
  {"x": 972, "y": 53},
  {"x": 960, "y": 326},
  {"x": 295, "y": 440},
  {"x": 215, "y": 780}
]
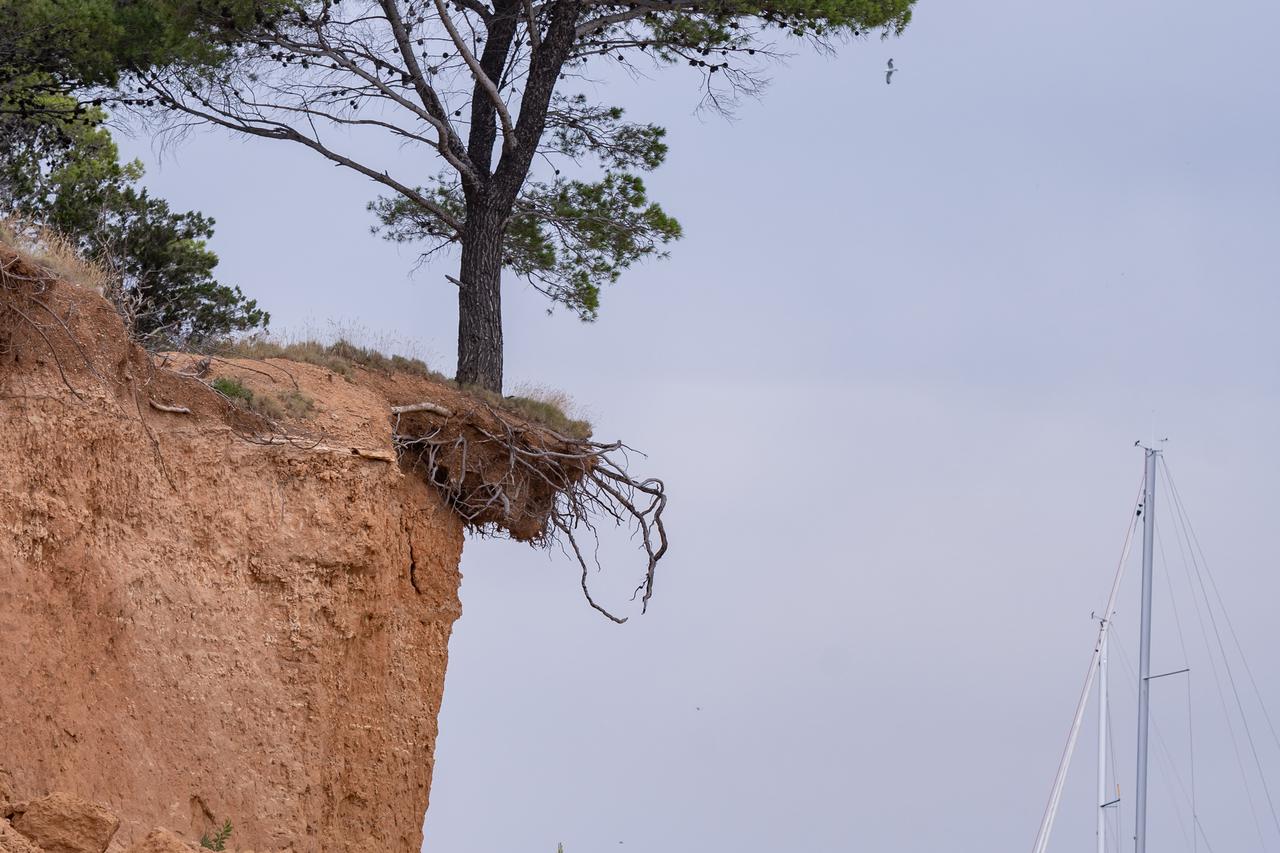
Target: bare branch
[
  {"x": 637, "y": 10},
  {"x": 482, "y": 79},
  {"x": 428, "y": 95},
  {"x": 433, "y": 408},
  {"x": 535, "y": 40},
  {"x": 269, "y": 129}
]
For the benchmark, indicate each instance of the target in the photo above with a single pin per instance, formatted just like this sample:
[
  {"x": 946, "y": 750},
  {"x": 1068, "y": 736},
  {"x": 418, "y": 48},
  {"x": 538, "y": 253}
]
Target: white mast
[
  {"x": 1103, "y": 795},
  {"x": 1144, "y": 650},
  {"x": 1060, "y": 777}
]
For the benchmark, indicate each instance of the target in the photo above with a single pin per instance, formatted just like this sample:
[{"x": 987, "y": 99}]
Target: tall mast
[
  {"x": 1144, "y": 651},
  {"x": 1102, "y": 747}
]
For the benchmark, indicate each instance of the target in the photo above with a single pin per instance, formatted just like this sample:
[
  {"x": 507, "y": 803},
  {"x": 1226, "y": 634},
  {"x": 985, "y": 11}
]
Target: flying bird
[{"x": 888, "y": 74}]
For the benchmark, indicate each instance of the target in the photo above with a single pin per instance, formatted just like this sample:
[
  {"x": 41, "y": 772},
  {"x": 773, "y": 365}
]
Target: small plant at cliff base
[
  {"x": 217, "y": 841},
  {"x": 497, "y": 94}
]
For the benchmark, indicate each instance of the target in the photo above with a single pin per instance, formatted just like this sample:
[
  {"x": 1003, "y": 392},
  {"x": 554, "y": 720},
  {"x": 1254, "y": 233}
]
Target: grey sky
[{"x": 892, "y": 377}]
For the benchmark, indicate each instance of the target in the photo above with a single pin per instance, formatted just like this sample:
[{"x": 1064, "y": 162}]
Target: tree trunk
[{"x": 480, "y": 300}]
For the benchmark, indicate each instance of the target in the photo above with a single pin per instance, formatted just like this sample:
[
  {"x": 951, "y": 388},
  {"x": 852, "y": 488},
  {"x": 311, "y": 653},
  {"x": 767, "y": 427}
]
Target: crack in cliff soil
[{"x": 413, "y": 568}]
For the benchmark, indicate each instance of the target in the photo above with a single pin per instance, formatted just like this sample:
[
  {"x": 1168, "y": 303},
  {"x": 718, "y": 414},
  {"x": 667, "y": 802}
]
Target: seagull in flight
[{"x": 888, "y": 74}]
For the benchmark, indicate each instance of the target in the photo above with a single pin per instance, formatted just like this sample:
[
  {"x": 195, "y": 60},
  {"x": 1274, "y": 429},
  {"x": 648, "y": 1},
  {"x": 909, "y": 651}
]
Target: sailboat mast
[
  {"x": 1144, "y": 651},
  {"x": 1102, "y": 747}
]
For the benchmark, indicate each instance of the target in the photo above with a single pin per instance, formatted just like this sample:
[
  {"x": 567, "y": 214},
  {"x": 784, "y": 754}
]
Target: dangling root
[{"x": 506, "y": 476}]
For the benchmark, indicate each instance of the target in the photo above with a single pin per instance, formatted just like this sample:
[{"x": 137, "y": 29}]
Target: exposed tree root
[
  {"x": 176, "y": 410},
  {"x": 302, "y": 443},
  {"x": 422, "y": 407},
  {"x": 506, "y": 476}
]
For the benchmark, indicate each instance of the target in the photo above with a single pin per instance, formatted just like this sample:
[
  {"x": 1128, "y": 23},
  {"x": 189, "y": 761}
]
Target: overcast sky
[{"x": 892, "y": 378}]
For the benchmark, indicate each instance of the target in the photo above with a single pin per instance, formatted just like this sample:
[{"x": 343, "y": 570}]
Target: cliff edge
[{"x": 205, "y": 615}]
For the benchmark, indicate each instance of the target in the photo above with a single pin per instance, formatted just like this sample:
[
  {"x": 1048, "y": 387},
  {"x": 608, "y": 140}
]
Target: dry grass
[
  {"x": 275, "y": 407},
  {"x": 287, "y": 404},
  {"x": 533, "y": 402},
  {"x": 340, "y": 357},
  {"x": 536, "y": 403},
  {"x": 56, "y": 254},
  {"x": 542, "y": 405}
]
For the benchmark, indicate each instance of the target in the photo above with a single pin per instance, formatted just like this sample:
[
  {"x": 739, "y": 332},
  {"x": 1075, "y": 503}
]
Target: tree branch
[
  {"x": 544, "y": 72},
  {"x": 535, "y": 41},
  {"x": 268, "y": 129},
  {"x": 482, "y": 79},
  {"x": 425, "y": 92},
  {"x": 637, "y": 10}
]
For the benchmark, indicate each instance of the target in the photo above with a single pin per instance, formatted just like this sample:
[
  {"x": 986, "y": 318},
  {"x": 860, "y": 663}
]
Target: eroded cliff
[{"x": 197, "y": 624}]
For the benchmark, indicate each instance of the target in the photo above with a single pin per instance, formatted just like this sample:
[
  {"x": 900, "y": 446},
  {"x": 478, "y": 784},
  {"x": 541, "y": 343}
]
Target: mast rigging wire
[
  {"x": 1186, "y": 662},
  {"x": 1165, "y": 753},
  {"x": 1231, "y": 629},
  {"x": 1181, "y": 515}
]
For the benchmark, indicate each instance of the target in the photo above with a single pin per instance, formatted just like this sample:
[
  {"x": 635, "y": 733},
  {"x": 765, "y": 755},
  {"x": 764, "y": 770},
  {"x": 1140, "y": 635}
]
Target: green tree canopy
[
  {"x": 59, "y": 167},
  {"x": 496, "y": 91},
  {"x": 70, "y": 46},
  {"x": 60, "y": 60}
]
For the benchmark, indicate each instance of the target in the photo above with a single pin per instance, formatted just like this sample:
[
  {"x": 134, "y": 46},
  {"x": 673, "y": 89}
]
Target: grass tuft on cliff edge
[{"x": 537, "y": 403}]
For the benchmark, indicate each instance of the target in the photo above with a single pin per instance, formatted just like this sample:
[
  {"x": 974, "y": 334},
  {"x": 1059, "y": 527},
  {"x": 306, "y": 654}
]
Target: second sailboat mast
[{"x": 1144, "y": 652}]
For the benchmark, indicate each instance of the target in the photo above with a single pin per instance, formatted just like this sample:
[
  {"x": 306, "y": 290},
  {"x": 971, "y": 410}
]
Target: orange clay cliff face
[{"x": 197, "y": 624}]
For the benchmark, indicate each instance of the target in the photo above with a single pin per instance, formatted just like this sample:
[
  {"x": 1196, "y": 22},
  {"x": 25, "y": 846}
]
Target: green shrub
[
  {"x": 544, "y": 412},
  {"x": 233, "y": 389},
  {"x": 217, "y": 841}
]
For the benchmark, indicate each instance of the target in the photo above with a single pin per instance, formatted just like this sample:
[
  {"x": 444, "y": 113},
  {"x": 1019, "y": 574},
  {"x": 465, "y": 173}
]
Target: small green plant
[
  {"x": 232, "y": 388},
  {"x": 217, "y": 841}
]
